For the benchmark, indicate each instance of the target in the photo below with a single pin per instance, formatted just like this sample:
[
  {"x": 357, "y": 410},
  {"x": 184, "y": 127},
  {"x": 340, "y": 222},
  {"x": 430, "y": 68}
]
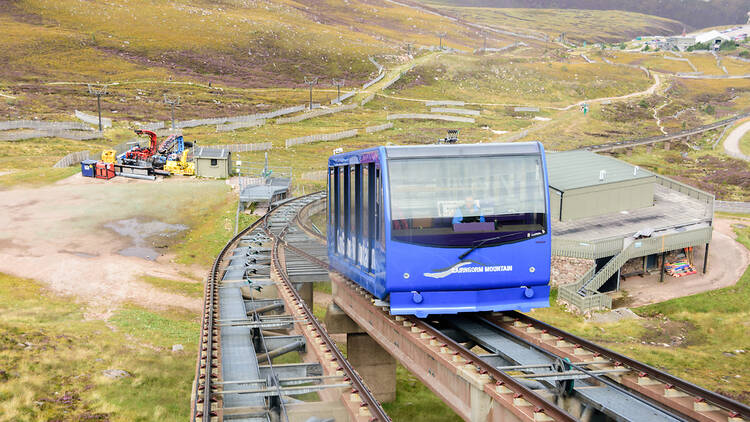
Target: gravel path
[{"x": 732, "y": 143}]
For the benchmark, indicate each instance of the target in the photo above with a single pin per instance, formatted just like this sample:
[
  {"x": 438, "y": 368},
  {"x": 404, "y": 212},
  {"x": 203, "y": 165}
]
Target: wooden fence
[
  {"x": 316, "y": 113},
  {"x": 431, "y": 117},
  {"x": 321, "y": 137},
  {"x": 378, "y": 128},
  {"x": 72, "y": 158},
  {"x": 263, "y": 146}
]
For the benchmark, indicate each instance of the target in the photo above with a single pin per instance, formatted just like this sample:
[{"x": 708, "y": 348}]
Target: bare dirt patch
[{"x": 57, "y": 234}]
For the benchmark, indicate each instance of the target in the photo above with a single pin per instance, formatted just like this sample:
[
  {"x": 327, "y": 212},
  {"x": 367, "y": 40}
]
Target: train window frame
[
  {"x": 332, "y": 203},
  {"x": 412, "y": 232},
  {"x": 341, "y": 222}
]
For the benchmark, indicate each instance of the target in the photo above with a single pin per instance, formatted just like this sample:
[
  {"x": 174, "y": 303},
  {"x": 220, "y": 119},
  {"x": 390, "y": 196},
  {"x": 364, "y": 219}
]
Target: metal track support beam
[{"x": 470, "y": 393}]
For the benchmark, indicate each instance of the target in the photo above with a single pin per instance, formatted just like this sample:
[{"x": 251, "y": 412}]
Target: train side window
[
  {"x": 380, "y": 216},
  {"x": 340, "y": 210},
  {"x": 353, "y": 213},
  {"x": 371, "y": 191},
  {"x": 365, "y": 232},
  {"x": 330, "y": 213},
  {"x": 348, "y": 203}
]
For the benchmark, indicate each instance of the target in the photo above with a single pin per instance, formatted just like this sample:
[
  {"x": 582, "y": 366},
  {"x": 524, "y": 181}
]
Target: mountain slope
[
  {"x": 239, "y": 42},
  {"x": 694, "y": 13}
]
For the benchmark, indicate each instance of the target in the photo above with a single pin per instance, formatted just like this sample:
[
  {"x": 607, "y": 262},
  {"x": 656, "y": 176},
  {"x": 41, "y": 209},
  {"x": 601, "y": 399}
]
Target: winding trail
[
  {"x": 732, "y": 142},
  {"x": 649, "y": 91},
  {"x": 658, "y": 119}
]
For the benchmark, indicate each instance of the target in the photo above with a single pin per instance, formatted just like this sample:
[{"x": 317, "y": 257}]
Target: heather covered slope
[{"x": 694, "y": 13}]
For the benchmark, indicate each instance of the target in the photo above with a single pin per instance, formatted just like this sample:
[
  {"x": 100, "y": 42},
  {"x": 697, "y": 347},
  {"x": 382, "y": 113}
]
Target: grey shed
[{"x": 212, "y": 162}]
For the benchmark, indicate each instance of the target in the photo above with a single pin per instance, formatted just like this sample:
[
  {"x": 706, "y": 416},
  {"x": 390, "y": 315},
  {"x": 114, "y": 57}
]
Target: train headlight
[
  {"x": 406, "y": 275},
  {"x": 532, "y": 269}
]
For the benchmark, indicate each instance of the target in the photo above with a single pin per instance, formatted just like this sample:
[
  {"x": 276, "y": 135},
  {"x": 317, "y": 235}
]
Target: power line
[
  {"x": 98, "y": 91},
  {"x": 311, "y": 82},
  {"x": 338, "y": 83},
  {"x": 172, "y": 101}
]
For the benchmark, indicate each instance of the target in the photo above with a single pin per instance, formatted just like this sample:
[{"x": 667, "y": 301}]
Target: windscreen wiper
[{"x": 473, "y": 248}]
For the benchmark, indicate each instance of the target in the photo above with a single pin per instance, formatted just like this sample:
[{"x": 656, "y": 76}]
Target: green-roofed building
[
  {"x": 620, "y": 216},
  {"x": 585, "y": 184}
]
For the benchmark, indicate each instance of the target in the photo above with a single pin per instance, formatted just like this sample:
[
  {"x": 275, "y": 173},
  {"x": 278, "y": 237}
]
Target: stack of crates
[
  {"x": 105, "y": 170},
  {"x": 88, "y": 168}
]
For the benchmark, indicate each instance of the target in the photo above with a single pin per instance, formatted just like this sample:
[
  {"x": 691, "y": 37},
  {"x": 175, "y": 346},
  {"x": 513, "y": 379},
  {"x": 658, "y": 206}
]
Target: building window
[{"x": 214, "y": 162}]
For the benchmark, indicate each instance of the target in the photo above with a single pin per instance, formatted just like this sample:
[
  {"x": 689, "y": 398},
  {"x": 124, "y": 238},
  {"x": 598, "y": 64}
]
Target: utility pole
[
  {"x": 338, "y": 83},
  {"x": 310, "y": 82},
  {"x": 98, "y": 91},
  {"x": 172, "y": 101},
  {"x": 441, "y": 35}
]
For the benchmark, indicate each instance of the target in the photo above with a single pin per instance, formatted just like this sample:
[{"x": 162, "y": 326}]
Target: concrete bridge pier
[{"x": 376, "y": 366}]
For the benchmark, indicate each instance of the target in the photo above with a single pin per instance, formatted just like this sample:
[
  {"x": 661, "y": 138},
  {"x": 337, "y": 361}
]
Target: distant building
[
  {"x": 738, "y": 33},
  {"x": 713, "y": 38},
  {"x": 680, "y": 43}
]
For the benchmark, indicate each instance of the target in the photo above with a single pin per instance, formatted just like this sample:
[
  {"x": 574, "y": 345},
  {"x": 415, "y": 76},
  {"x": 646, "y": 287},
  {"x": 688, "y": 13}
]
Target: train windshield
[{"x": 467, "y": 201}]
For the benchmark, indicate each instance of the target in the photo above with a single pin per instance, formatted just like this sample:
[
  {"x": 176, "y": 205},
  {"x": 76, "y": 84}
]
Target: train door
[
  {"x": 333, "y": 205},
  {"x": 351, "y": 211},
  {"x": 369, "y": 213},
  {"x": 341, "y": 214}
]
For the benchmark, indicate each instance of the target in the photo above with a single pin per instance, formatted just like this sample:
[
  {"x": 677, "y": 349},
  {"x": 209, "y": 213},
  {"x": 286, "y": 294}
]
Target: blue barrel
[{"x": 88, "y": 168}]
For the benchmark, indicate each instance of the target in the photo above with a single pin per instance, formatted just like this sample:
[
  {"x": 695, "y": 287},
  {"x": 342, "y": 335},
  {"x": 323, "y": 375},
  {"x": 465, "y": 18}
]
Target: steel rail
[
  {"x": 592, "y": 373},
  {"x": 550, "y": 409},
  {"x": 207, "y": 360},
  {"x": 714, "y": 398},
  {"x": 373, "y": 405}
]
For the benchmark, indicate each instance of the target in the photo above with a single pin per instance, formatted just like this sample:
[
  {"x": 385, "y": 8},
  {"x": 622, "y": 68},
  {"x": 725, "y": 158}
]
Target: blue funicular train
[{"x": 442, "y": 229}]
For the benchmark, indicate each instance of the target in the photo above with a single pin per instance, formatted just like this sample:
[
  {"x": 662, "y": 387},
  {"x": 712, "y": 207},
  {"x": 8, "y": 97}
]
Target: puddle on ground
[
  {"x": 141, "y": 231},
  {"x": 81, "y": 254}
]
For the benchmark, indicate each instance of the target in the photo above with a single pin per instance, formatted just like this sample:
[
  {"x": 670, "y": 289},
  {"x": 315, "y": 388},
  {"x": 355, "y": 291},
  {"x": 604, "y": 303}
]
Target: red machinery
[{"x": 140, "y": 153}]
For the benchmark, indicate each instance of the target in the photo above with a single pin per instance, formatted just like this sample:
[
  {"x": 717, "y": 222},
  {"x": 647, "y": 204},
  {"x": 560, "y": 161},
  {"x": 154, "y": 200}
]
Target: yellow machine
[
  {"x": 182, "y": 166},
  {"x": 108, "y": 156}
]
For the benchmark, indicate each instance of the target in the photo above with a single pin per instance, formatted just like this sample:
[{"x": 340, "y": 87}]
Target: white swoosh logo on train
[{"x": 449, "y": 271}]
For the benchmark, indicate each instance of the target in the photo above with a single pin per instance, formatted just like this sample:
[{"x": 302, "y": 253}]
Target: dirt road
[
  {"x": 732, "y": 142},
  {"x": 62, "y": 235}
]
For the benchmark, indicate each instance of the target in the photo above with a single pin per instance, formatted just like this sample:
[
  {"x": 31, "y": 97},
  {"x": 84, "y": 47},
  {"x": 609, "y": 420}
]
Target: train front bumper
[{"x": 425, "y": 303}]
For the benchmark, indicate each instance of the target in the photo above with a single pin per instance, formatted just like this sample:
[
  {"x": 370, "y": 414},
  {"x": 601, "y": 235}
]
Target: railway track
[
  {"x": 549, "y": 373},
  {"x": 251, "y": 307}
]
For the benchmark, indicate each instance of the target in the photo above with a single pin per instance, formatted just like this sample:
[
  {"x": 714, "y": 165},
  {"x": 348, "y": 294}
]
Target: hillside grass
[
  {"x": 710, "y": 170},
  {"x": 578, "y": 25},
  {"x": 53, "y": 359},
  {"x": 512, "y": 81}
]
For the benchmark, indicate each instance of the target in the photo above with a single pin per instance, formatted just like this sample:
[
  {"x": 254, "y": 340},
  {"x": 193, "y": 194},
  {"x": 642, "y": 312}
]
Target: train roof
[{"x": 459, "y": 150}]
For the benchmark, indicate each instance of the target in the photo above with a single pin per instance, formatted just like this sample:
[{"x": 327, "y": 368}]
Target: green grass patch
[
  {"x": 52, "y": 360},
  {"x": 323, "y": 287},
  {"x": 212, "y": 227},
  {"x": 162, "y": 329},
  {"x": 415, "y": 402},
  {"x": 187, "y": 288},
  {"x": 35, "y": 177}
]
